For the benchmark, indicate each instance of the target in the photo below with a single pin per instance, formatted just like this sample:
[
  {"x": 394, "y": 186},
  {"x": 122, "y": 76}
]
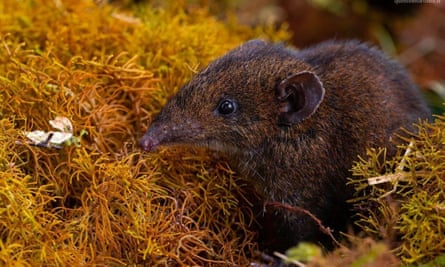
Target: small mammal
[{"x": 292, "y": 122}]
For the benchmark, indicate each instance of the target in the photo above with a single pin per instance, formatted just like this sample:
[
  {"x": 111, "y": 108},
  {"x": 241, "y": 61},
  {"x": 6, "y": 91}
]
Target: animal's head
[{"x": 239, "y": 100}]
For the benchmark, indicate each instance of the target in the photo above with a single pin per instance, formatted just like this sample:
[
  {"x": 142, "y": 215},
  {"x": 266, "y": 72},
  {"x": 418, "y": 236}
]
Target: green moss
[{"x": 407, "y": 209}]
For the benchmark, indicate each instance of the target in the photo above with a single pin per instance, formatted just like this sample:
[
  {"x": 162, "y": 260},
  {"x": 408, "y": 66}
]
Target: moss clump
[
  {"x": 405, "y": 203},
  {"x": 103, "y": 202}
]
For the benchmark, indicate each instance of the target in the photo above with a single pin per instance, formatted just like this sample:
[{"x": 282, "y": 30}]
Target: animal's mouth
[
  {"x": 186, "y": 133},
  {"x": 158, "y": 135},
  {"x": 151, "y": 143},
  {"x": 222, "y": 147}
]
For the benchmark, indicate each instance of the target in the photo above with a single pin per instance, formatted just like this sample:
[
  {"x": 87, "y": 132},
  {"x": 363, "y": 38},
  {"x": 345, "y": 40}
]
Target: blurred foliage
[
  {"x": 109, "y": 70},
  {"x": 360, "y": 252},
  {"x": 402, "y": 199},
  {"x": 303, "y": 252}
]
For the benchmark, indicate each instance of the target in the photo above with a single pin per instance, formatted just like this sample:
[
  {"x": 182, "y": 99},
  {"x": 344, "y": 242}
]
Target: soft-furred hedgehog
[{"x": 293, "y": 122}]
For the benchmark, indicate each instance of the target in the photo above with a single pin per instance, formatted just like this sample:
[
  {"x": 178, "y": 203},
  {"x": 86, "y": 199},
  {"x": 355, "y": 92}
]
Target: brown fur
[{"x": 367, "y": 99}]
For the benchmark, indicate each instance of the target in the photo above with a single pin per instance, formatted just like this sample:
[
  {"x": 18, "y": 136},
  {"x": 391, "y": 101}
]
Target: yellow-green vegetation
[
  {"x": 360, "y": 252},
  {"x": 97, "y": 200},
  {"x": 402, "y": 199},
  {"x": 101, "y": 201}
]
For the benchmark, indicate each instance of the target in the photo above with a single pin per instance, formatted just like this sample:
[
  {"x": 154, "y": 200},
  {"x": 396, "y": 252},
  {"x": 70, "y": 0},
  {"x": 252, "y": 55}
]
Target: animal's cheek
[{"x": 187, "y": 128}]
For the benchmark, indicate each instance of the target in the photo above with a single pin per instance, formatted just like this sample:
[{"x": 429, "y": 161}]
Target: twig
[
  {"x": 396, "y": 177},
  {"x": 284, "y": 258},
  {"x": 296, "y": 209}
]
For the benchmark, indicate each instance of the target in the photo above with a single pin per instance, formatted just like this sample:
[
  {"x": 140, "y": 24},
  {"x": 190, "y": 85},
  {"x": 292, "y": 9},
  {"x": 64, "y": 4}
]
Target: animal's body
[{"x": 293, "y": 122}]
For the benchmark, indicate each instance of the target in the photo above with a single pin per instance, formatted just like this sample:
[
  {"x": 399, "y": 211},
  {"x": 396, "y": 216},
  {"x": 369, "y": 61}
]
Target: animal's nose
[{"x": 148, "y": 142}]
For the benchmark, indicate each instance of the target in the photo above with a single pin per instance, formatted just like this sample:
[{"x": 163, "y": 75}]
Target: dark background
[{"x": 413, "y": 33}]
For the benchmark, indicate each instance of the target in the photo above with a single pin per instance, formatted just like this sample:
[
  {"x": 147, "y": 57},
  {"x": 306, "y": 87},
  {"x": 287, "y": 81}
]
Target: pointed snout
[
  {"x": 152, "y": 138},
  {"x": 149, "y": 142},
  {"x": 162, "y": 133}
]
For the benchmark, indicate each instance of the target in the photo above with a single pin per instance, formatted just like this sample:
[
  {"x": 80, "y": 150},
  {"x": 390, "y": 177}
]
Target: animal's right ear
[{"x": 300, "y": 96}]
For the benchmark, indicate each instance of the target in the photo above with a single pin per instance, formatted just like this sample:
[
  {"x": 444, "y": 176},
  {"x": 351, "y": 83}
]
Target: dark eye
[{"x": 226, "y": 106}]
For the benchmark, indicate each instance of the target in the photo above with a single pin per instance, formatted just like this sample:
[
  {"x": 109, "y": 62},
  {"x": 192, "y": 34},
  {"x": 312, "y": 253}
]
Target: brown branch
[{"x": 299, "y": 210}]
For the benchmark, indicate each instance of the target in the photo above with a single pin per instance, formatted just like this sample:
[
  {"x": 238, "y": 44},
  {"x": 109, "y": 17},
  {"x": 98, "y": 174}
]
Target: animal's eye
[{"x": 226, "y": 106}]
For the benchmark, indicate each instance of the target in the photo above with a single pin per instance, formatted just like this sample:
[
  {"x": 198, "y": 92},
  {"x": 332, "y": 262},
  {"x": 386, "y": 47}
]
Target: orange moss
[{"x": 105, "y": 203}]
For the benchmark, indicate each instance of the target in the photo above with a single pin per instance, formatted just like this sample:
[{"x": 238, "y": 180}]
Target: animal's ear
[
  {"x": 300, "y": 95},
  {"x": 254, "y": 43}
]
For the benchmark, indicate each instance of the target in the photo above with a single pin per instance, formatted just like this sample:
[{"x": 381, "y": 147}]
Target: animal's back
[{"x": 368, "y": 95}]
